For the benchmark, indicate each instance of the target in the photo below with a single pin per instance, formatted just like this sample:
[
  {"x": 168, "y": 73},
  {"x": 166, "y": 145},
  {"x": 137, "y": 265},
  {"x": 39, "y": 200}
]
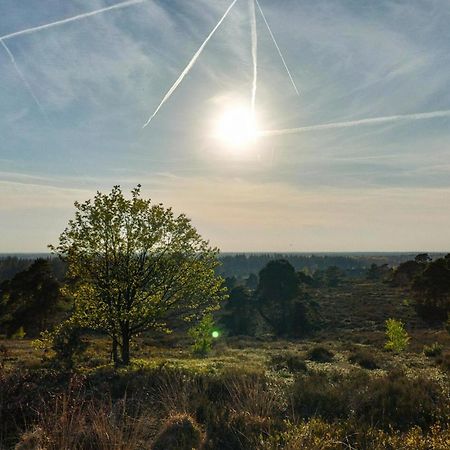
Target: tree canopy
[
  {"x": 29, "y": 299},
  {"x": 134, "y": 266}
]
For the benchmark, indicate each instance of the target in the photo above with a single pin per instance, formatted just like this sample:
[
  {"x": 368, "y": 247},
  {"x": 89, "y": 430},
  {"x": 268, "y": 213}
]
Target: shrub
[
  {"x": 444, "y": 361},
  {"x": 239, "y": 431},
  {"x": 397, "y": 337},
  {"x": 392, "y": 401},
  {"x": 316, "y": 434},
  {"x": 202, "y": 334},
  {"x": 4, "y": 354},
  {"x": 179, "y": 432},
  {"x": 364, "y": 358},
  {"x": 320, "y": 354},
  {"x": 290, "y": 361},
  {"x": 65, "y": 341},
  {"x": 19, "y": 334},
  {"x": 432, "y": 350},
  {"x": 398, "y": 402},
  {"x": 318, "y": 395}
]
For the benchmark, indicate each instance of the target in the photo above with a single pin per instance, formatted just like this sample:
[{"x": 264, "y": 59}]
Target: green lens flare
[{"x": 215, "y": 334}]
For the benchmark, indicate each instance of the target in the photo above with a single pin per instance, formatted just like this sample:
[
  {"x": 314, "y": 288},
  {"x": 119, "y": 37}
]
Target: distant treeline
[
  {"x": 12, "y": 265},
  {"x": 242, "y": 265}
]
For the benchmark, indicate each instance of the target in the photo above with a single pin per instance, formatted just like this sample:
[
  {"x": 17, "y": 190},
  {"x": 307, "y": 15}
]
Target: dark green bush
[
  {"x": 393, "y": 400},
  {"x": 432, "y": 350},
  {"x": 364, "y": 358},
  {"x": 238, "y": 431},
  {"x": 399, "y": 402},
  {"x": 179, "y": 432},
  {"x": 444, "y": 361},
  {"x": 319, "y": 395},
  {"x": 320, "y": 354},
  {"x": 290, "y": 361}
]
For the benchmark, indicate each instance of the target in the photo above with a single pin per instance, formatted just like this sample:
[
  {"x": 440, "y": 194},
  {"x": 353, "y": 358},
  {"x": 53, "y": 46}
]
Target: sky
[{"x": 71, "y": 123}]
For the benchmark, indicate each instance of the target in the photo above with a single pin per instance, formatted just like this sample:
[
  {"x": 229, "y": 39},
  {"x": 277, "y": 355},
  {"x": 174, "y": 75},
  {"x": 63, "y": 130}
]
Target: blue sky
[{"x": 97, "y": 80}]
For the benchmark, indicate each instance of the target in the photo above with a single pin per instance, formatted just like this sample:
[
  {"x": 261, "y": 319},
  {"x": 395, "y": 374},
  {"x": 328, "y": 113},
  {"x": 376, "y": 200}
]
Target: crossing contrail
[
  {"x": 278, "y": 48},
  {"x": 252, "y": 8},
  {"x": 190, "y": 65},
  {"x": 22, "y": 77},
  {"x": 355, "y": 123},
  {"x": 71, "y": 19}
]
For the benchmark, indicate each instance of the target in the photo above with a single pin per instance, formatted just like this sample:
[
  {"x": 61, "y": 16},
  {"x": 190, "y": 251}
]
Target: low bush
[
  {"x": 391, "y": 401},
  {"x": 444, "y": 361},
  {"x": 316, "y": 434},
  {"x": 180, "y": 432},
  {"x": 202, "y": 334},
  {"x": 319, "y": 394},
  {"x": 399, "y": 402},
  {"x": 364, "y": 358},
  {"x": 320, "y": 354},
  {"x": 290, "y": 361},
  {"x": 238, "y": 431},
  {"x": 432, "y": 350},
  {"x": 396, "y": 335}
]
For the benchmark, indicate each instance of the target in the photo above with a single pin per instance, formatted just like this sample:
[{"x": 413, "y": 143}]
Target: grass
[{"x": 338, "y": 389}]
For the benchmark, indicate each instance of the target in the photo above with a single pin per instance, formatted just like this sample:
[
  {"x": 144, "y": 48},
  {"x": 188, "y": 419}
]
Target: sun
[{"x": 237, "y": 127}]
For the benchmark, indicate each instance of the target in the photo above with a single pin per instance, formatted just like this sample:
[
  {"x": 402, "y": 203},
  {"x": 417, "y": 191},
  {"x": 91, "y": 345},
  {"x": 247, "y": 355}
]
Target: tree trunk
[
  {"x": 114, "y": 352},
  {"x": 125, "y": 347}
]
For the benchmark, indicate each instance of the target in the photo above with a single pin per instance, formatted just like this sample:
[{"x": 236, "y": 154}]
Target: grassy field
[{"x": 337, "y": 389}]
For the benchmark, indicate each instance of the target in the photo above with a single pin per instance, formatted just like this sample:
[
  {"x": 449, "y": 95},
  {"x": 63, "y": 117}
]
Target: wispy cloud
[
  {"x": 191, "y": 64},
  {"x": 22, "y": 77},
  {"x": 360, "y": 122},
  {"x": 70, "y": 19}
]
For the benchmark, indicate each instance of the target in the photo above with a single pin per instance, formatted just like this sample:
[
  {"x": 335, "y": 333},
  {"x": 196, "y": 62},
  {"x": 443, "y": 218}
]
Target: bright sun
[{"x": 237, "y": 127}]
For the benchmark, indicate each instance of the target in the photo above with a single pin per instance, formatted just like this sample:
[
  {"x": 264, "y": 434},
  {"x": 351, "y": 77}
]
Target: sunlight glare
[{"x": 237, "y": 127}]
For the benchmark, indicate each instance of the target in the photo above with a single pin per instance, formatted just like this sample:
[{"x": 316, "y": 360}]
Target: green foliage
[
  {"x": 396, "y": 335},
  {"x": 134, "y": 266},
  {"x": 202, "y": 334},
  {"x": 432, "y": 350},
  {"x": 65, "y": 341}
]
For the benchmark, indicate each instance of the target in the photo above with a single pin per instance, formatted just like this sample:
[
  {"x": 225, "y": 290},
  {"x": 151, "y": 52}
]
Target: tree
[
  {"x": 406, "y": 271},
  {"x": 239, "y": 312},
  {"x": 431, "y": 289},
  {"x": 135, "y": 267},
  {"x": 202, "y": 334},
  {"x": 251, "y": 282},
  {"x": 397, "y": 337},
  {"x": 277, "y": 287},
  {"x": 376, "y": 273},
  {"x": 29, "y": 299}
]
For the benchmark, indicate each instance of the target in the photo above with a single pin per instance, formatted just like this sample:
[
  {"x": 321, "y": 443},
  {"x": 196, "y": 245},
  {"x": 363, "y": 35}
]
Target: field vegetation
[{"x": 103, "y": 349}]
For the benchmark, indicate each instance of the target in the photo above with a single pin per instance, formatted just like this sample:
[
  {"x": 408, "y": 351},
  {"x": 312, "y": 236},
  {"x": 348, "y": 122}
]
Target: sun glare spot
[{"x": 237, "y": 127}]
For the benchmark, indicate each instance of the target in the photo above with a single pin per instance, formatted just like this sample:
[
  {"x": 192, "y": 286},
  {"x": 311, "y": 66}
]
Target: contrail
[
  {"x": 22, "y": 77},
  {"x": 190, "y": 65},
  {"x": 252, "y": 9},
  {"x": 278, "y": 48},
  {"x": 355, "y": 123},
  {"x": 71, "y": 19}
]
